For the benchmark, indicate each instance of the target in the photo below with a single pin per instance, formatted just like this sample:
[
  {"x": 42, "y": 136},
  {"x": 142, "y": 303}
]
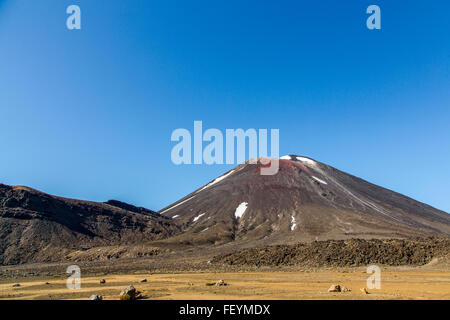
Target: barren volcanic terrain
[
  {"x": 37, "y": 227},
  {"x": 305, "y": 208}
]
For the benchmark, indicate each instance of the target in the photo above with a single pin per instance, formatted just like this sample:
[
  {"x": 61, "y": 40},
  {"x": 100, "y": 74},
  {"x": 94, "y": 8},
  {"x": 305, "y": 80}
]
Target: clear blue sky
[{"x": 88, "y": 114}]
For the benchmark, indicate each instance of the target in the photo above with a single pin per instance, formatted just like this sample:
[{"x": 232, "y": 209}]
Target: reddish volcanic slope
[{"x": 305, "y": 200}]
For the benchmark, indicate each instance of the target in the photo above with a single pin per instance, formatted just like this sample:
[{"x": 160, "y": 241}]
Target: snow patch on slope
[
  {"x": 198, "y": 217},
  {"x": 301, "y": 159},
  {"x": 293, "y": 223},
  {"x": 240, "y": 210},
  {"x": 176, "y": 205},
  {"x": 306, "y": 160},
  {"x": 319, "y": 180}
]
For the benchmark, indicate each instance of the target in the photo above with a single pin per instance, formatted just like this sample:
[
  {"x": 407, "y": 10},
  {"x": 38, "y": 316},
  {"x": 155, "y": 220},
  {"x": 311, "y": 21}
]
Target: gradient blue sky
[{"x": 88, "y": 114}]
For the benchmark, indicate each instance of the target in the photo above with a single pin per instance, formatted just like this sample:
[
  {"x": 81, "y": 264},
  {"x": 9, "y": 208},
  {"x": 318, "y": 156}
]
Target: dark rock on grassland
[
  {"x": 334, "y": 288},
  {"x": 363, "y": 291},
  {"x": 221, "y": 283},
  {"x": 345, "y": 289},
  {"x": 129, "y": 293}
]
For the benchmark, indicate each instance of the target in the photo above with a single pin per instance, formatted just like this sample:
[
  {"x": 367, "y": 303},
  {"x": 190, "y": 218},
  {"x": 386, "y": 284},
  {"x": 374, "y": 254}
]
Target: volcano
[{"x": 306, "y": 200}]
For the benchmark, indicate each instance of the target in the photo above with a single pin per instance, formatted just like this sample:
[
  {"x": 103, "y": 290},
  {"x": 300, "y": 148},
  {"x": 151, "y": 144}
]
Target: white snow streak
[
  {"x": 176, "y": 205},
  {"x": 293, "y": 223},
  {"x": 306, "y": 160},
  {"x": 198, "y": 217},
  {"x": 319, "y": 180},
  {"x": 216, "y": 180},
  {"x": 302, "y": 159},
  {"x": 240, "y": 210}
]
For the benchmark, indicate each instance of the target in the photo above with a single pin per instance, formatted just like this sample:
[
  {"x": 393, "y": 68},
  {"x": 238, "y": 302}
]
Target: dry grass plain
[{"x": 396, "y": 283}]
